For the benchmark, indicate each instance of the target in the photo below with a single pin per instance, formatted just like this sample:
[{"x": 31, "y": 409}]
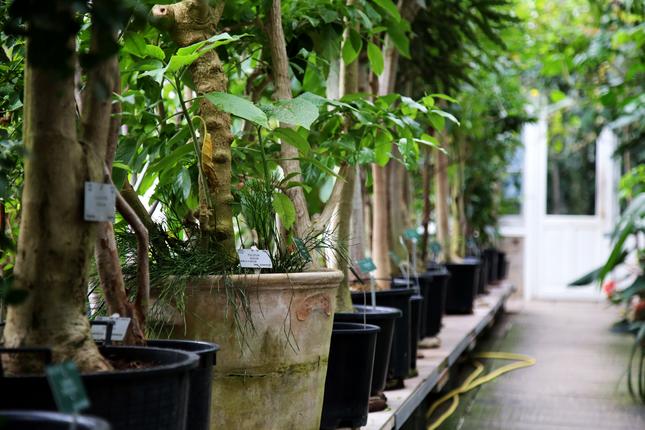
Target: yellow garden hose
[{"x": 474, "y": 380}]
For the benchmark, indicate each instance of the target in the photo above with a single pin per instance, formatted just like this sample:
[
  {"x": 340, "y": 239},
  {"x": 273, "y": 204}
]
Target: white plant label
[
  {"x": 255, "y": 258},
  {"x": 100, "y": 202},
  {"x": 119, "y": 328}
]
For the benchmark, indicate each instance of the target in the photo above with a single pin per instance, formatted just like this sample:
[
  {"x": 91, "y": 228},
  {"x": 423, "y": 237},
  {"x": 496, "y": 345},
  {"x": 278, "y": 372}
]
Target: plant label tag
[
  {"x": 119, "y": 329},
  {"x": 100, "y": 202},
  {"x": 411, "y": 234},
  {"x": 302, "y": 249},
  {"x": 255, "y": 258},
  {"x": 366, "y": 265},
  {"x": 67, "y": 387}
]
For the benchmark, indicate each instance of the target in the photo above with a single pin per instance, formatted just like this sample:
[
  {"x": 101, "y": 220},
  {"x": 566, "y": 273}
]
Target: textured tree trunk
[
  {"x": 55, "y": 243},
  {"x": 191, "y": 21},
  {"x": 358, "y": 234},
  {"x": 442, "y": 198},
  {"x": 288, "y": 154}
]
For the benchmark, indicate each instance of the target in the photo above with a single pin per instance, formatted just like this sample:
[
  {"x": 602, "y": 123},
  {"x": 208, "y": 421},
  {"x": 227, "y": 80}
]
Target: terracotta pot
[{"x": 271, "y": 368}]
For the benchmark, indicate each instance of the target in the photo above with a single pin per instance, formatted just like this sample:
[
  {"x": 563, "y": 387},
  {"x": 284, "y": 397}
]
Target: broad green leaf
[
  {"x": 390, "y": 8},
  {"x": 446, "y": 115},
  {"x": 187, "y": 55},
  {"x": 171, "y": 159},
  {"x": 352, "y": 47},
  {"x": 438, "y": 122},
  {"x": 178, "y": 61},
  {"x": 382, "y": 148},
  {"x": 400, "y": 39},
  {"x": 298, "y": 112},
  {"x": 239, "y": 107},
  {"x": 136, "y": 45},
  {"x": 293, "y": 138},
  {"x": 444, "y": 97},
  {"x": 375, "y": 56},
  {"x": 284, "y": 209}
]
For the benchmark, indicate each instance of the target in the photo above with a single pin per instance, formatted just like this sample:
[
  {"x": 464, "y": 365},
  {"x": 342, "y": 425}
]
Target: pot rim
[
  {"x": 343, "y": 328},
  {"x": 320, "y": 278},
  {"x": 374, "y": 311}
]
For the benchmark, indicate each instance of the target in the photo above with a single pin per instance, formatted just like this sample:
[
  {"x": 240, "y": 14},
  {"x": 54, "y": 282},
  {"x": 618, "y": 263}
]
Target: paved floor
[{"x": 578, "y": 382}]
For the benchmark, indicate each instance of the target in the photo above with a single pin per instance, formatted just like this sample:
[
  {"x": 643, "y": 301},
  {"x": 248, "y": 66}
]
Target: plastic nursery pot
[
  {"x": 502, "y": 265},
  {"x": 385, "y": 319},
  {"x": 399, "y": 366},
  {"x": 39, "y": 420},
  {"x": 462, "y": 286},
  {"x": 433, "y": 287},
  {"x": 349, "y": 375},
  {"x": 416, "y": 309},
  {"x": 150, "y": 397},
  {"x": 271, "y": 369},
  {"x": 493, "y": 265},
  {"x": 201, "y": 378},
  {"x": 484, "y": 269}
]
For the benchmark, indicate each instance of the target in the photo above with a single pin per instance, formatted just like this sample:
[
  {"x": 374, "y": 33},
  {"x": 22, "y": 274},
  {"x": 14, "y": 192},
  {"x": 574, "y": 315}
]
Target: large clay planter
[{"x": 273, "y": 377}]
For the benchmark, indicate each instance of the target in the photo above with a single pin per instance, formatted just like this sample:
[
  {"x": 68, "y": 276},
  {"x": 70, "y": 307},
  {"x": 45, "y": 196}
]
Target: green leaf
[
  {"x": 136, "y": 45},
  {"x": 446, "y": 115},
  {"x": 586, "y": 279},
  {"x": 284, "y": 209},
  {"x": 637, "y": 287},
  {"x": 352, "y": 47},
  {"x": 171, "y": 159},
  {"x": 390, "y": 8},
  {"x": 375, "y": 56},
  {"x": 437, "y": 121},
  {"x": 187, "y": 55},
  {"x": 179, "y": 61},
  {"x": 298, "y": 112},
  {"x": 239, "y": 107},
  {"x": 444, "y": 97},
  {"x": 293, "y": 138},
  {"x": 382, "y": 148},
  {"x": 400, "y": 39}
]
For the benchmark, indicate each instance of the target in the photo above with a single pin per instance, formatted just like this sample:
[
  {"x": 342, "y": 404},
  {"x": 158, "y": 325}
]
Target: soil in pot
[
  {"x": 385, "y": 319},
  {"x": 270, "y": 372},
  {"x": 434, "y": 285},
  {"x": 39, "y": 420},
  {"x": 399, "y": 366},
  {"x": 349, "y": 375},
  {"x": 152, "y": 397},
  {"x": 462, "y": 286},
  {"x": 201, "y": 379}
]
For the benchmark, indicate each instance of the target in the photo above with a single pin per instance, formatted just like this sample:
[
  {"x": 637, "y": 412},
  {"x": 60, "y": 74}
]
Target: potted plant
[{"x": 47, "y": 321}]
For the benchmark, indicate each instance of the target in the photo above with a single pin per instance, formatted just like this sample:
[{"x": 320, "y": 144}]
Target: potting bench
[{"x": 458, "y": 336}]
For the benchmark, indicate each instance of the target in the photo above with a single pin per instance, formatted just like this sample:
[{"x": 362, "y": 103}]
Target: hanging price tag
[
  {"x": 100, "y": 202},
  {"x": 366, "y": 265},
  {"x": 119, "y": 329},
  {"x": 411, "y": 234},
  {"x": 255, "y": 258},
  {"x": 67, "y": 388}
]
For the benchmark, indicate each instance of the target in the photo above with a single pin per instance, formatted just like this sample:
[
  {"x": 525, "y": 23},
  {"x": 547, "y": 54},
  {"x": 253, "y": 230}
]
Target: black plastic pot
[
  {"x": 433, "y": 286},
  {"x": 493, "y": 266},
  {"x": 146, "y": 398},
  {"x": 349, "y": 375},
  {"x": 502, "y": 265},
  {"x": 462, "y": 286},
  {"x": 201, "y": 379},
  {"x": 39, "y": 420},
  {"x": 399, "y": 366},
  {"x": 484, "y": 268},
  {"x": 385, "y": 319},
  {"x": 416, "y": 305}
]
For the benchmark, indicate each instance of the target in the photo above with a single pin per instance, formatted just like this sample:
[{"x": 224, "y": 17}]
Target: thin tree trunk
[
  {"x": 427, "y": 205},
  {"x": 442, "y": 197},
  {"x": 288, "y": 154},
  {"x": 55, "y": 243},
  {"x": 191, "y": 21},
  {"x": 357, "y": 244}
]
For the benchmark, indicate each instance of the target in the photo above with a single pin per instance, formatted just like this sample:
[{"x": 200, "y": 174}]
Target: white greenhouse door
[{"x": 564, "y": 247}]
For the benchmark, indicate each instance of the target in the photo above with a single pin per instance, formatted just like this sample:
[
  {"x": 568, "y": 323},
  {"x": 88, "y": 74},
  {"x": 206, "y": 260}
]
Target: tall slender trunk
[
  {"x": 442, "y": 200},
  {"x": 427, "y": 205},
  {"x": 288, "y": 154},
  {"x": 191, "y": 21},
  {"x": 55, "y": 243}
]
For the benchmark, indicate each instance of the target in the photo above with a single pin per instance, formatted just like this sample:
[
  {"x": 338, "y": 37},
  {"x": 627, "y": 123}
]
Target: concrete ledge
[{"x": 459, "y": 334}]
